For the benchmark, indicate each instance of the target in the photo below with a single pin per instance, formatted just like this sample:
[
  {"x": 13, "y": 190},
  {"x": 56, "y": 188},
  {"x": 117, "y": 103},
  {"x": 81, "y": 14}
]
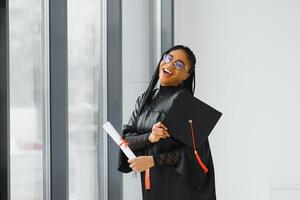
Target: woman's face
[{"x": 171, "y": 76}]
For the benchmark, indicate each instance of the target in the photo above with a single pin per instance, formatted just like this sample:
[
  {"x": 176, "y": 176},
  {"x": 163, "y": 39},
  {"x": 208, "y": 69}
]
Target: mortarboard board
[{"x": 190, "y": 121}]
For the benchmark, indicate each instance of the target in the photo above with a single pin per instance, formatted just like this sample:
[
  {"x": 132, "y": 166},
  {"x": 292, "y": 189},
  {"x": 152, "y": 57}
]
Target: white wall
[{"x": 248, "y": 67}]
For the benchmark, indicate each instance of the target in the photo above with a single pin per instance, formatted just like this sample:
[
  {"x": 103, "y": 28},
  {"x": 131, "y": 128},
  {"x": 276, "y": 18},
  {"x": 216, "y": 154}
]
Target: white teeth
[{"x": 168, "y": 71}]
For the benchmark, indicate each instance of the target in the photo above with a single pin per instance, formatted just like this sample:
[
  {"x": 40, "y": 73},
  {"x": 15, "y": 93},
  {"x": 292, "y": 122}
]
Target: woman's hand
[
  {"x": 141, "y": 163},
  {"x": 159, "y": 130}
]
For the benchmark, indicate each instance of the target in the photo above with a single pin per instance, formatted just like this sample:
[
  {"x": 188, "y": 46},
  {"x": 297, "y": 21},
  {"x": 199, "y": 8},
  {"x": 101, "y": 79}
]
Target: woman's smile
[{"x": 167, "y": 72}]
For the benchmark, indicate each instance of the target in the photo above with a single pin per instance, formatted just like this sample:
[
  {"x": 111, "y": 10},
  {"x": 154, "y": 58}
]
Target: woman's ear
[{"x": 186, "y": 76}]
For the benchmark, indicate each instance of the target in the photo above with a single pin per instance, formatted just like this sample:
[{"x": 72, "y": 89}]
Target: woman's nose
[{"x": 169, "y": 65}]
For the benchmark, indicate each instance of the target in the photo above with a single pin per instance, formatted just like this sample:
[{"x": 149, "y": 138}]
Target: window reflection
[
  {"x": 84, "y": 43},
  {"x": 27, "y": 99}
]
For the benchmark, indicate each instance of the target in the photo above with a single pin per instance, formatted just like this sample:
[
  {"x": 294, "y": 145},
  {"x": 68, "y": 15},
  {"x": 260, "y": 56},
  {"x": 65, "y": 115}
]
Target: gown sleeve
[
  {"x": 167, "y": 158},
  {"x": 136, "y": 141}
]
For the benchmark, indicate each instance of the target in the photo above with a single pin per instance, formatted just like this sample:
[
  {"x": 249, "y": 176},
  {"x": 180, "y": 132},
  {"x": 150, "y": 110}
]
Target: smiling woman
[{"x": 159, "y": 156}]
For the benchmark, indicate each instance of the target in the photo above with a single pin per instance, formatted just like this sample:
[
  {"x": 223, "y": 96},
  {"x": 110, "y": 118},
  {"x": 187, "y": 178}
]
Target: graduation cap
[{"x": 190, "y": 121}]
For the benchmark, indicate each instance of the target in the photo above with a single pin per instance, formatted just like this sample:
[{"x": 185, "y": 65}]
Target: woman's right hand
[{"x": 159, "y": 130}]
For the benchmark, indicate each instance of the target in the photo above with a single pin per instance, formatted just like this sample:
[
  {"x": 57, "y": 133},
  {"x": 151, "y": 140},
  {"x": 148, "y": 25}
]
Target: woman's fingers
[
  {"x": 161, "y": 132},
  {"x": 167, "y": 133},
  {"x": 160, "y": 124},
  {"x": 164, "y": 133},
  {"x": 160, "y": 129},
  {"x": 131, "y": 160},
  {"x": 132, "y": 165},
  {"x": 163, "y": 126}
]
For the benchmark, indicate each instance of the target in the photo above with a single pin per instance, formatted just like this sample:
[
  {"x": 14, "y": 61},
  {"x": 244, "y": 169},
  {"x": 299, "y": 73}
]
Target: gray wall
[
  {"x": 141, "y": 48},
  {"x": 248, "y": 67},
  {"x": 136, "y": 71}
]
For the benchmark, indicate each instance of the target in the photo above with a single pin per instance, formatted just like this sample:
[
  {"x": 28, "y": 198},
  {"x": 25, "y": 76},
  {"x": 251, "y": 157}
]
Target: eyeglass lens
[{"x": 168, "y": 58}]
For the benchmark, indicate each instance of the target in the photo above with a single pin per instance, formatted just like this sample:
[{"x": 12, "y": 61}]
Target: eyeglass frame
[{"x": 166, "y": 54}]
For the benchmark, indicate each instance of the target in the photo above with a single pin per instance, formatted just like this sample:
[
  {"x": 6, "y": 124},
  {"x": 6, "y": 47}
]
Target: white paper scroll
[{"x": 117, "y": 138}]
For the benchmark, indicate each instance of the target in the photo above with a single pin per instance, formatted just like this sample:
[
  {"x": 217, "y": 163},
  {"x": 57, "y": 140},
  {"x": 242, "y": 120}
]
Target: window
[
  {"x": 85, "y": 112},
  {"x": 28, "y": 100}
]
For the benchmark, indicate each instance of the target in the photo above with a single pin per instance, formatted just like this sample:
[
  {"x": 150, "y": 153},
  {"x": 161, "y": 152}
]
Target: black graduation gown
[{"x": 184, "y": 181}]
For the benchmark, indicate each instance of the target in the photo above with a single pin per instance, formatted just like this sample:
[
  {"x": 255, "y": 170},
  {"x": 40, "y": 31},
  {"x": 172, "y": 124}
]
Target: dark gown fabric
[{"x": 176, "y": 174}]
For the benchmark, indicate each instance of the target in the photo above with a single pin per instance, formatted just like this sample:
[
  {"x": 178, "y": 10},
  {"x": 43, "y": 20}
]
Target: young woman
[{"x": 166, "y": 164}]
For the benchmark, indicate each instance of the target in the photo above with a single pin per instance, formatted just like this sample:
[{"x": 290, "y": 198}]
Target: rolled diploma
[{"x": 117, "y": 138}]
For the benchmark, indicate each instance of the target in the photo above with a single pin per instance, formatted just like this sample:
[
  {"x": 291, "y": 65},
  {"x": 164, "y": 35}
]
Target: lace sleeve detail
[
  {"x": 167, "y": 158},
  {"x": 138, "y": 142}
]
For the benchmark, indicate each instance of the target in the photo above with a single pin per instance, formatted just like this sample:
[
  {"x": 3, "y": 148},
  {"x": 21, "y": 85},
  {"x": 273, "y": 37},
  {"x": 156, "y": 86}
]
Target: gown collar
[{"x": 167, "y": 89}]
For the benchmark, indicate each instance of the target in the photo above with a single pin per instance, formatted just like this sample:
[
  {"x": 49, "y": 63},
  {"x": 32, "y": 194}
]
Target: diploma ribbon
[
  {"x": 204, "y": 168},
  {"x": 123, "y": 142}
]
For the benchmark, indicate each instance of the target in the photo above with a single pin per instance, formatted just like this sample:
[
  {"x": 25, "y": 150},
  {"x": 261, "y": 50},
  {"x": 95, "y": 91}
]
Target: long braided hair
[{"x": 189, "y": 83}]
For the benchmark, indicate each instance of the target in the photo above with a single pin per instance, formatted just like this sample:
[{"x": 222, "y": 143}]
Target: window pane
[
  {"x": 27, "y": 99},
  {"x": 84, "y": 72}
]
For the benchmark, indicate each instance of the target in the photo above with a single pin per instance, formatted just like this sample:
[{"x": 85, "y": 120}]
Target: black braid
[{"x": 189, "y": 83}]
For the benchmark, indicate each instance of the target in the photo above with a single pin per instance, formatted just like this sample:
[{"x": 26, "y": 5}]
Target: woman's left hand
[{"x": 141, "y": 163}]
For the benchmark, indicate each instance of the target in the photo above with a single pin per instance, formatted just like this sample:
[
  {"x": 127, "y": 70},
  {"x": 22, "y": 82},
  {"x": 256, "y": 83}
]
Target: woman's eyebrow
[{"x": 180, "y": 61}]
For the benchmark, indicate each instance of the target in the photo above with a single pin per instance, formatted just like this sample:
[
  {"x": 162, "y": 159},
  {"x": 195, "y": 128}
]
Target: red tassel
[
  {"x": 195, "y": 151},
  {"x": 123, "y": 142},
  {"x": 147, "y": 179},
  {"x": 201, "y": 163}
]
